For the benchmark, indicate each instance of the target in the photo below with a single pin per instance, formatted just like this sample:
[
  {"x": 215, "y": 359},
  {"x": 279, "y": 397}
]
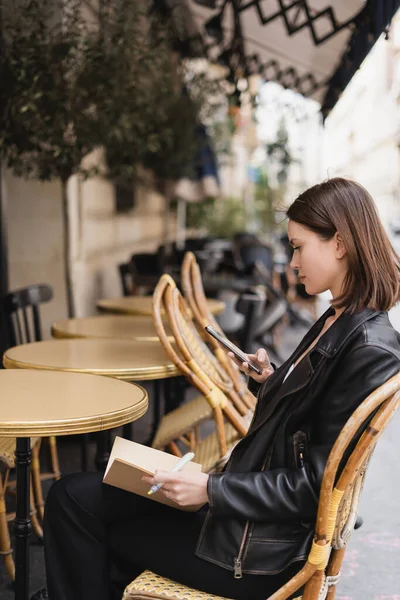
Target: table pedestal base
[{"x": 22, "y": 522}]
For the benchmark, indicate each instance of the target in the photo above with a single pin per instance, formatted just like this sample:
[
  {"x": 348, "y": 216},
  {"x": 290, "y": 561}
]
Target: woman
[{"x": 256, "y": 530}]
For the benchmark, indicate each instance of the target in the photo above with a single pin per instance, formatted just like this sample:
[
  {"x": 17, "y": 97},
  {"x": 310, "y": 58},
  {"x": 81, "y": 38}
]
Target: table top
[
  {"x": 123, "y": 359},
  {"x": 133, "y": 327},
  {"x": 142, "y": 305},
  {"x": 43, "y": 403}
]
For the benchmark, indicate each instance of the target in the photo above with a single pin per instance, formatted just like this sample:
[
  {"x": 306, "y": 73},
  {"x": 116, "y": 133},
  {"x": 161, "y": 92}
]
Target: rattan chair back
[
  {"x": 193, "y": 357},
  {"x": 210, "y": 364},
  {"x": 193, "y": 290}
]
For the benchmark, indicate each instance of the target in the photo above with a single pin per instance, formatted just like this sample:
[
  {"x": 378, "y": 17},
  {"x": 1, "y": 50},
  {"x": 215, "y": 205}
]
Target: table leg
[
  {"x": 173, "y": 393},
  {"x": 127, "y": 431},
  {"x": 156, "y": 406},
  {"x": 103, "y": 449},
  {"x": 22, "y": 522},
  {"x": 156, "y": 399},
  {"x": 84, "y": 451}
]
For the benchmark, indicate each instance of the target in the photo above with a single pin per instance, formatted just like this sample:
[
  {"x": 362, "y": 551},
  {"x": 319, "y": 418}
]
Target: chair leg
[
  {"x": 313, "y": 586},
  {"x": 35, "y": 522},
  {"x": 36, "y": 481},
  {"x": 334, "y": 567},
  {"x": 5, "y": 542},
  {"x": 54, "y": 457},
  {"x": 38, "y": 477}
]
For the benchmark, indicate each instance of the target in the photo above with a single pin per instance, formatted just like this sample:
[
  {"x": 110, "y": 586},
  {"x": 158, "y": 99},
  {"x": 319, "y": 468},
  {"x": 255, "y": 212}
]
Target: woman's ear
[{"x": 339, "y": 246}]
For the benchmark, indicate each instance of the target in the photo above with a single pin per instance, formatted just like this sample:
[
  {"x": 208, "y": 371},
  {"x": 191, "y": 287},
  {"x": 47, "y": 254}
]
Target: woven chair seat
[
  {"x": 208, "y": 452},
  {"x": 181, "y": 420},
  {"x": 150, "y": 585},
  {"x": 7, "y": 449}
]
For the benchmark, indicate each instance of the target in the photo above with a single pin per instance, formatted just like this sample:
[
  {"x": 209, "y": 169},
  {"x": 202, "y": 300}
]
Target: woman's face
[{"x": 321, "y": 264}]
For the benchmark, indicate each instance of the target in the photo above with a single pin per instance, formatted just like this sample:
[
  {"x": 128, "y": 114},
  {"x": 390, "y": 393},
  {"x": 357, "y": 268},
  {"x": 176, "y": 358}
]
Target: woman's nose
[{"x": 293, "y": 263}]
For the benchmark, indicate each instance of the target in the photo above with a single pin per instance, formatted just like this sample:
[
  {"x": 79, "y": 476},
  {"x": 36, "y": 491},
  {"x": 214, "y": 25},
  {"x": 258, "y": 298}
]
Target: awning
[{"x": 313, "y": 47}]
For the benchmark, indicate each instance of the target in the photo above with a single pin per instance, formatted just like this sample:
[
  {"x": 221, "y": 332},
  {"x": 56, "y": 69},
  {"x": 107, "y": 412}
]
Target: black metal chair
[
  {"x": 127, "y": 281},
  {"x": 146, "y": 268},
  {"x": 22, "y": 317},
  {"x": 21, "y": 309},
  {"x": 146, "y": 263}
]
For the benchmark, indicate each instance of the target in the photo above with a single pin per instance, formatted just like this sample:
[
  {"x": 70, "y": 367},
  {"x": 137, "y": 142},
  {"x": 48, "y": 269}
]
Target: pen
[{"x": 177, "y": 467}]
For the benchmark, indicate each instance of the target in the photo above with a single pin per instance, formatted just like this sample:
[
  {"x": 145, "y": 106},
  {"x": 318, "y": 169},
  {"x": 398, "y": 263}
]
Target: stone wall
[{"x": 100, "y": 238}]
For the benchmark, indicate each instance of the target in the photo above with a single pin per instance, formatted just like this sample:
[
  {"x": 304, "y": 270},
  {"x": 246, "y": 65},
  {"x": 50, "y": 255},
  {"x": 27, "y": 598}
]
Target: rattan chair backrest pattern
[
  {"x": 199, "y": 355},
  {"x": 190, "y": 353},
  {"x": 215, "y": 368},
  {"x": 211, "y": 393},
  {"x": 193, "y": 289}
]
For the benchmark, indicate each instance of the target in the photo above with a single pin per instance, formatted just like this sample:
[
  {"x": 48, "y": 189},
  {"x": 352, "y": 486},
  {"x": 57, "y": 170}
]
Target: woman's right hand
[{"x": 259, "y": 359}]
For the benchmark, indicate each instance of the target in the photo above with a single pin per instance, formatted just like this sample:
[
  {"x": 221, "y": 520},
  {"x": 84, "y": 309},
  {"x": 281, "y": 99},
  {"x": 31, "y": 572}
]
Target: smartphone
[{"x": 238, "y": 353}]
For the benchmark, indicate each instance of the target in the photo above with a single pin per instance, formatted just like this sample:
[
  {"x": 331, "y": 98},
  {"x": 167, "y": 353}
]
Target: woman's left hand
[{"x": 186, "y": 489}]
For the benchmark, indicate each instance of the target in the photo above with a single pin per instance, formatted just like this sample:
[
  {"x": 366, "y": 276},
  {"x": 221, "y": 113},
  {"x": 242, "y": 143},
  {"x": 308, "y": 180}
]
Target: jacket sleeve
[
  {"x": 254, "y": 386},
  {"x": 284, "y": 494}
]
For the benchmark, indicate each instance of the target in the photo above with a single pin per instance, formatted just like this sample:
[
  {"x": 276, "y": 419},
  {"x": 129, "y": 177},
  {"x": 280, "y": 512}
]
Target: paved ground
[{"x": 372, "y": 565}]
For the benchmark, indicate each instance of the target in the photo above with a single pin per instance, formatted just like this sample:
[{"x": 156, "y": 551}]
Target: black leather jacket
[{"x": 262, "y": 507}]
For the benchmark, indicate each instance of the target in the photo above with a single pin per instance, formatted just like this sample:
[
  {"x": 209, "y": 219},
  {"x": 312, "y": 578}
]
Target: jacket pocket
[
  {"x": 270, "y": 556},
  {"x": 299, "y": 449}
]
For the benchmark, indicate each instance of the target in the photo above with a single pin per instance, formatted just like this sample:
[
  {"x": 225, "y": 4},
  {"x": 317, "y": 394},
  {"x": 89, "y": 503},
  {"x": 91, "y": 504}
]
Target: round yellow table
[
  {"x": 45, "y": 403},
  {"x": 132, "y": 327},
  {"x": 142, "y": 305},
  {"x": 123, "y": 359}
]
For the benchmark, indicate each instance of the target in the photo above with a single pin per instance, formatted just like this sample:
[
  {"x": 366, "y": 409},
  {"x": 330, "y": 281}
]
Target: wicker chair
[
  {"x": 7, "y": 448},
  {"x": 183, "y": 423},
  {"x": 21, "y": 308},
  {"x": 193, "y": 290},
  {"x": 195, "y": 360},
  {"x": 337, "y": 510}
]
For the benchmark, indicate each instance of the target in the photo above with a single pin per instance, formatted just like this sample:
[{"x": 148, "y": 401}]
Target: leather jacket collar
[{"x": 333, "y": 340}]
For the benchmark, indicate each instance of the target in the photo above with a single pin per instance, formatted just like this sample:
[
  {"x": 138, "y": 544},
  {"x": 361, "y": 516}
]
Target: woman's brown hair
[{"x": 344, "y": 206}]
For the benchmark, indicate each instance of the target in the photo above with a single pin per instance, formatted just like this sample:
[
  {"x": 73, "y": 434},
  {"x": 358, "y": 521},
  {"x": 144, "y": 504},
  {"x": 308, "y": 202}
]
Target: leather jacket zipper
[
  {"x": 237, "y": 562},
  {"x": 302, "y": 441},
  {"x": 299, "y": 448}
]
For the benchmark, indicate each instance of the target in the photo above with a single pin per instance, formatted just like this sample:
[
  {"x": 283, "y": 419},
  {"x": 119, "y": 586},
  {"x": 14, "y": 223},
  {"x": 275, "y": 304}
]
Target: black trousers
[{"x": 98, "y": 538}]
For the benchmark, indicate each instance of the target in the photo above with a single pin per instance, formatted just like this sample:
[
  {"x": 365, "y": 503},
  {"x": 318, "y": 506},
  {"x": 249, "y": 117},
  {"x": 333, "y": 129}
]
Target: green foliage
[
  {"x": 266, "y": 203},
  {"x": 70, "y": 85},
  {"x": 47, "y": 121},
  {"x": 157, "y": 102},
  {"x": 226, "y": 216},
  {"x": 222, "y": 217},
  {"x": 150, "y": 120}
]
